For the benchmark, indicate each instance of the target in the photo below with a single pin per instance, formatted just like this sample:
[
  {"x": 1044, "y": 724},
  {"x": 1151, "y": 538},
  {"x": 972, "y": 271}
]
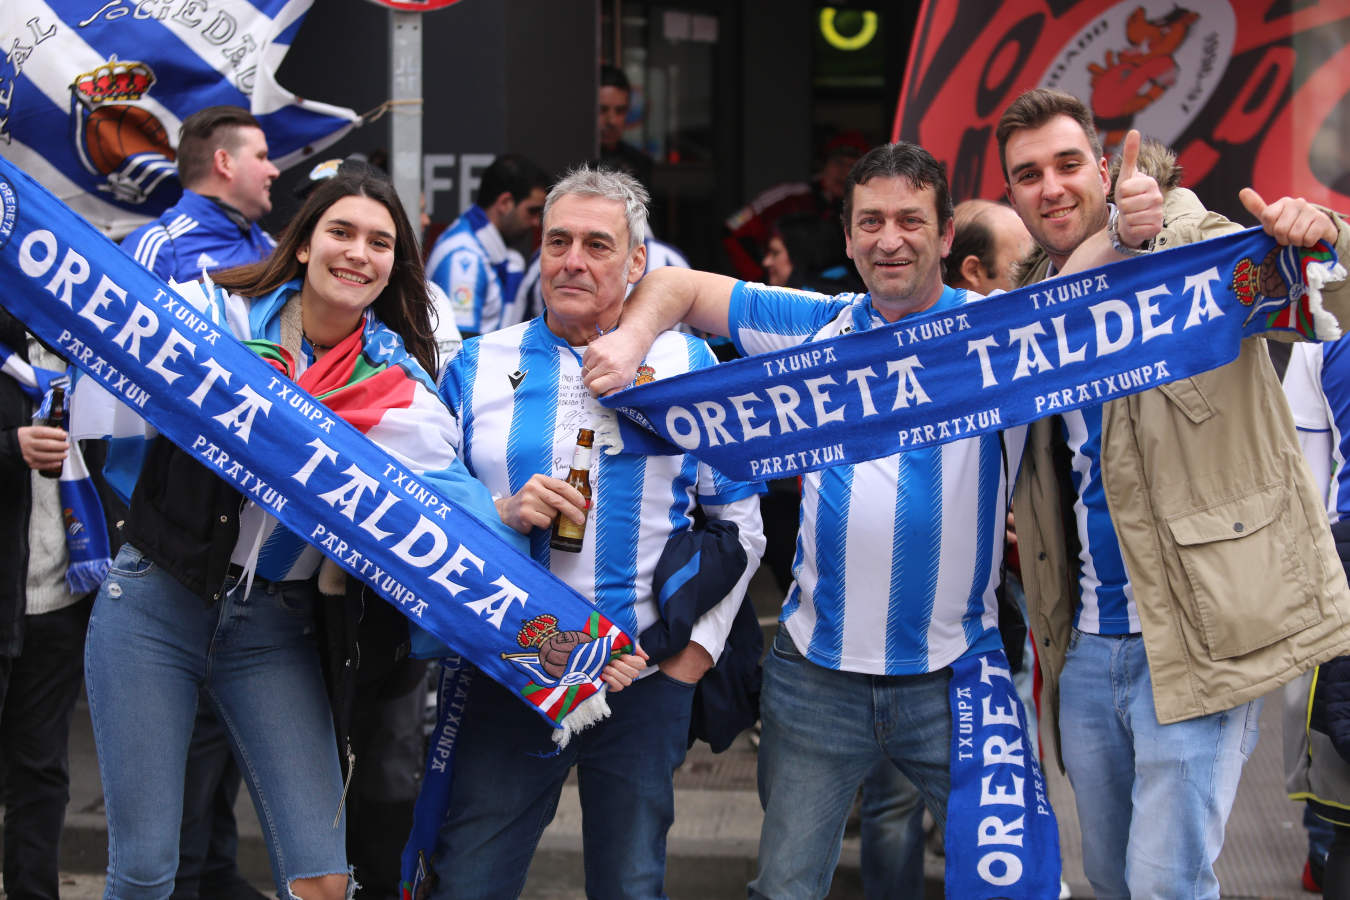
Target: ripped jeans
[{"x": 151, "y": 645}]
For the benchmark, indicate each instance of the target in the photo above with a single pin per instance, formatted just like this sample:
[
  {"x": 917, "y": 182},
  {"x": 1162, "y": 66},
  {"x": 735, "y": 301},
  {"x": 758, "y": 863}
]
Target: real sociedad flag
[{"x": 92, "y": 94}]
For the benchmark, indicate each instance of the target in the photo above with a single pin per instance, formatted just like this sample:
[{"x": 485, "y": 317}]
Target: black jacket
[
  {"x": 185, "y": 518},
  {"x": 16, "y": 494},
  {"x": 726, "y": 700},
  {"x": 16, "y": 411}
]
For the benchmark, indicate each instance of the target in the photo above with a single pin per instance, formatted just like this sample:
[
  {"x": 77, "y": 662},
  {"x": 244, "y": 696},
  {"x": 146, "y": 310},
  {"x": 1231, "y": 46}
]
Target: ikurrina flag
[
  {"x": 92, "y": 94},
  {"x": 404, "y": 516},
  {"x": 1246, "y": 93}
]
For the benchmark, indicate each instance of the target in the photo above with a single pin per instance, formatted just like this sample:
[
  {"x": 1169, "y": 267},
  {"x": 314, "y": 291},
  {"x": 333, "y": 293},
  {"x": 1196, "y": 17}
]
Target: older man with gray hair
[{"x": 520, "y": 402}]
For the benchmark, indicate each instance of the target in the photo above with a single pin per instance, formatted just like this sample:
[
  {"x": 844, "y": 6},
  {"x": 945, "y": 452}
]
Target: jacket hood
[{"x": 1154, "y": 159}]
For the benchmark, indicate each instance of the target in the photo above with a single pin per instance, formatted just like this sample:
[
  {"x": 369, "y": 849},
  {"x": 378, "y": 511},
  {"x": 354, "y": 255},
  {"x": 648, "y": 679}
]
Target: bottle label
[
  {"x": 581, "y": 458},
  {"x": 569, "y": 529}
]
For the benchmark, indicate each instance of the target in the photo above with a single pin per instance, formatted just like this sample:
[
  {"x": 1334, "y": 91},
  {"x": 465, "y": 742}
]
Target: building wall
[
  {"x": 776, "y": 93},
  {"x": 498, "y": 76},
  {"x": 520, "y": 76}
]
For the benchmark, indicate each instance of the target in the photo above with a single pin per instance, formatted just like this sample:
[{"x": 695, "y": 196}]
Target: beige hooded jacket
[{"x": 1233, "y": 568}]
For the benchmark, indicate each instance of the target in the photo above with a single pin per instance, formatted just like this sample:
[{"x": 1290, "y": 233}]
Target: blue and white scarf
[
  {"x": 81, "y": 511},
  {"x": 1002, "y": 839},
  {"x": 366, "y": 508},
  {"x": 1069, "y": 342},
  {"x": 433, "y": 802}
]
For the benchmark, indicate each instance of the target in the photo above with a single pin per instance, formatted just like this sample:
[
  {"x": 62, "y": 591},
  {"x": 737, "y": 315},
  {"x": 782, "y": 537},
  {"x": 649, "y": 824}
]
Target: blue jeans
[
  {"x": 1152, "y": 799},
  {"x": 1024, "y": 678},
  {"x": 824, "y": 731},
  {"x": 208, "y": 839},
  {"x": 152, "y": 645},
  {"x": 1320, "y": 835},
  {"x": 892, "y": 834},
  {"x": 508, "y": 777}
]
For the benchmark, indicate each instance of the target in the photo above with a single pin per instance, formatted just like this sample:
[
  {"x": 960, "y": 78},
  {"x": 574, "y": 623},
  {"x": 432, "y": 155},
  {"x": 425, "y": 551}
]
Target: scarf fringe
[
  {"x": 608, "y": 438},
  {"x": 1319, "y": 275},
  {"x": 85, "y": 577},
  {"x": 588, "y": 712}
]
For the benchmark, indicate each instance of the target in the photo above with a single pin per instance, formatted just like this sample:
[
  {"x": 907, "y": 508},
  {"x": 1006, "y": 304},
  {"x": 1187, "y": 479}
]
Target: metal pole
[{"x": 405, "y": 82}]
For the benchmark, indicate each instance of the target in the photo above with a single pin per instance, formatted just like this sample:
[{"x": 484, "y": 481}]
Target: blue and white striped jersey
[
  {"x": 1317, "y": 384},
  {"x": 520, "y": 402},
  {"x": 270, "y": 549},
  {"x": 897, "y": 558},
  {"x": 1105, "y": 598},
  {"x": 192, "y": 236},
  {"x": 477, "y": 271}
]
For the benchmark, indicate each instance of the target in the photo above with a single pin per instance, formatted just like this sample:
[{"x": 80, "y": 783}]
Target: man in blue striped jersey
[
  {"x": 227, "y": 187},
  {"x": 473, "y": 261},
  {"x": 898, "y": 558},
  {"x": 520, "y": 400}
]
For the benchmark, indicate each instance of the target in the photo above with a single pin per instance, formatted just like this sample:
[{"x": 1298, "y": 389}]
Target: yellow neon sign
[{"x": 830, "y": 32}]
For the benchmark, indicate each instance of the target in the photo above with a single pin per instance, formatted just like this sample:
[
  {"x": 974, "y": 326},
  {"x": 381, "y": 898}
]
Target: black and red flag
[{"x": 1255, "y": 92}]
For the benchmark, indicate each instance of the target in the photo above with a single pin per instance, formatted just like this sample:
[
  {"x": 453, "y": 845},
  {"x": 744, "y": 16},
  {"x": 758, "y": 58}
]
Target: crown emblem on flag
[
  {"x": 115, "y": 81},
  {"x": 537, "y": 630},
  {"x": 1244, "y": 281},
  {"x": 1252, "y": 280}
]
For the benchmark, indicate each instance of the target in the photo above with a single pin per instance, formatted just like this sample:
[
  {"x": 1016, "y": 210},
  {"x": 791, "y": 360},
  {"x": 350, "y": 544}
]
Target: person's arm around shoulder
[{"x": 660, "y": 300}]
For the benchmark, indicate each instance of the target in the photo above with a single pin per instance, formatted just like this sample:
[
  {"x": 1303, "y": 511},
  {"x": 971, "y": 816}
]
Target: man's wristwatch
[{"x": 1120, "y": 247}]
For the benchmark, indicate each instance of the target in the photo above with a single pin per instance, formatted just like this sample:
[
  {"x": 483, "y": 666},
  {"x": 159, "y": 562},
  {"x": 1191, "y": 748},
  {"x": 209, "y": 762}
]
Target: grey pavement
[{"x": 712, "y": 845}]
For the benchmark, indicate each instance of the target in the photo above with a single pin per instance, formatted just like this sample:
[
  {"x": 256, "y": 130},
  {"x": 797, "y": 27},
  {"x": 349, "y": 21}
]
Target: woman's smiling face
[{"x": 349, "y": 255}]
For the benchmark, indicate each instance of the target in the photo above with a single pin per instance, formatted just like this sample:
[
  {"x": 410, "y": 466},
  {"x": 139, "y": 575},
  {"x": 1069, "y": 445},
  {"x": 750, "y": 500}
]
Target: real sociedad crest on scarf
[
  {"x": 1277, "y": 287},
  {"x": 563, "y": 657},
  {"x": 564, "y": 665}
]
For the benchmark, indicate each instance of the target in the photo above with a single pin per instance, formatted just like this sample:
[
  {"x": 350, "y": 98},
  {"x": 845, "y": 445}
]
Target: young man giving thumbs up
[{"x": 1175, "y": 555}]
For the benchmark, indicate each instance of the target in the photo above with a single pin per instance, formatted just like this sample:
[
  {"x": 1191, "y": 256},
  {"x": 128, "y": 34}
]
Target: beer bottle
[
  {"x": 568, "y": 535},
  {"x": 55, "y": 418}
]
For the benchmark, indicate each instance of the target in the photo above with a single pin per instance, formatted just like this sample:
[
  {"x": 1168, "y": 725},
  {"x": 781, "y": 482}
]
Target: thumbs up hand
[
  {"x": 1290, "y": 220},
  {"x": 1139, "y": 200}
]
